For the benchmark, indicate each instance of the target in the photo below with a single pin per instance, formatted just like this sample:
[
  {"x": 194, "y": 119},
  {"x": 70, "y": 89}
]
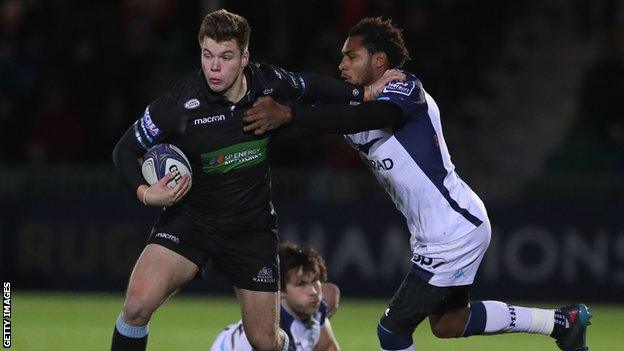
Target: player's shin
[
  {"x": 495, "y": 317},
  {"x": 129, "y": 338}
]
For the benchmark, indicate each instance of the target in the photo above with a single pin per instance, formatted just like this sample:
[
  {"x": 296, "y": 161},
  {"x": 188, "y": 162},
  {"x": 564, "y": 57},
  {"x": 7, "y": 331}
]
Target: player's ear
[
  {"x": 245, "y": 58},
  {"x": 380, "y": 59}
]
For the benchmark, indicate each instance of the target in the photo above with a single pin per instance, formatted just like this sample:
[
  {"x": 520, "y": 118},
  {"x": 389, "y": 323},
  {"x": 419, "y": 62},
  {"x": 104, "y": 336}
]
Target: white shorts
[{"x": 454, "y": 263}]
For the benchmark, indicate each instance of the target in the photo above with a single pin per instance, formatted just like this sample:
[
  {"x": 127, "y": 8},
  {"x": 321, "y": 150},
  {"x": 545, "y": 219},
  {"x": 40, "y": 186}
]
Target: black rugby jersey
[{"x": 231, "y": 175}]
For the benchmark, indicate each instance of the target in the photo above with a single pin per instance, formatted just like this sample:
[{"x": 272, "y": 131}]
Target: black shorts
[
  {"x": 248, "y": 257},
  {"x": 416, "y": 299}
]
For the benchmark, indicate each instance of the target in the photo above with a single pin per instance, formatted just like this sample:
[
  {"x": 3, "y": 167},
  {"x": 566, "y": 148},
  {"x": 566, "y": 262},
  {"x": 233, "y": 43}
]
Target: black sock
[
  {"x": 124, "y": 343},
  {"x": 560, "y": 325}
]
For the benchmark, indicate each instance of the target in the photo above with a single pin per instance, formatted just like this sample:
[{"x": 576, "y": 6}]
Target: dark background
[{"x": 530, "y": 94}]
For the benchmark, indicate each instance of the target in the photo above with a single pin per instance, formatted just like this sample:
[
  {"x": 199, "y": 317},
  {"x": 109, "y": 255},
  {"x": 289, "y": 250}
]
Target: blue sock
[{"x": 476, "y": 319}]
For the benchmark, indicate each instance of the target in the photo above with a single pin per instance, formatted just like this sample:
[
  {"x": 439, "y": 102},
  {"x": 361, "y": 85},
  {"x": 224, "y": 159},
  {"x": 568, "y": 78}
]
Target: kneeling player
[{"x": 304, "y": 310}]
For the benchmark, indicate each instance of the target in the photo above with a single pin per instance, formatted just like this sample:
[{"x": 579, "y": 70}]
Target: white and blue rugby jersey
[
  {"x": 413, "y": 164},
  {"x": 303, "y": 335}
]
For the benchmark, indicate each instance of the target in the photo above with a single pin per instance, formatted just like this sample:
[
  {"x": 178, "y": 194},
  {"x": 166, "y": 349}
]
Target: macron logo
[
  {"x": 210, "y": 119},
  {"x": 173, "y": 238}
]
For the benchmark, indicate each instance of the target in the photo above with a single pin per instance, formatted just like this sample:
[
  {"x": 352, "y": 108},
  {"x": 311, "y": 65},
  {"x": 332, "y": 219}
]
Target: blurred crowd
[{"x": 75, "y": 74}]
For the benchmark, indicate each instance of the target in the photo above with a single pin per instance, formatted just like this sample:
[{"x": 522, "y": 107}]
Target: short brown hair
[
  {"x": 222, "y": 25},
  {"x": 297, "y": 257},
  {"x": 382, "y": 35}
]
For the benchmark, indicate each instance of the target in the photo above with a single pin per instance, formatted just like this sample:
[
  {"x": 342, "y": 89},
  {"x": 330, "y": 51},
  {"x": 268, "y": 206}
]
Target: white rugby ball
[{"x": 162, "y": 159}]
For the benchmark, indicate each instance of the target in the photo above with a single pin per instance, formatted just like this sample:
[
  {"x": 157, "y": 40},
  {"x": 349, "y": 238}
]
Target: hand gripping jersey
[
  {"x": 413, "y": 164},
  {"x": 303, "y": 335},
  {"x": 230, "y": 167}
]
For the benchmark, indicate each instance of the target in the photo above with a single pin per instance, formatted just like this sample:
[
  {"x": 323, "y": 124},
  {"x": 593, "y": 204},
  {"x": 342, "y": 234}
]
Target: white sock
[{"x": 504, "y": 318}]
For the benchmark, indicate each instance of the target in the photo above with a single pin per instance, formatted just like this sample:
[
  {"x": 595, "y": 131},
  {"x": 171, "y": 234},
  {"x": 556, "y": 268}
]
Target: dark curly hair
[
  {"x": 382, "y": 35},
  {"x": 297, "y": 257}
]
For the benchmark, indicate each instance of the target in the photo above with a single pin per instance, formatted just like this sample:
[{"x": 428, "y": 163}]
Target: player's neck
[
  {"x": 238, "y": 89},
  {"x": 301, "y": 317}
]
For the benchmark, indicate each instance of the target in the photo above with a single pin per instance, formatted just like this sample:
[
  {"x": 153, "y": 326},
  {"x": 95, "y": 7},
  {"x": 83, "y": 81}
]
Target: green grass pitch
[{"x": 83, "y": 322}]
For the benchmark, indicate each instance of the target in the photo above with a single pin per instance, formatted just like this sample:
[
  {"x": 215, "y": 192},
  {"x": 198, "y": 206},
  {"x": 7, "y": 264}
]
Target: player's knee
[
  {"x": 138, "y": 309},
  {"x": 446, "y": 330},
  {"x": 391, "y": 337}
]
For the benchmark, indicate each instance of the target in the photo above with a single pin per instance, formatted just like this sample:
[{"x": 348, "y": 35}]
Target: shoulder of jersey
[
  {"x": 186, "y": 93},
  {"x": 410, "y": 87}
]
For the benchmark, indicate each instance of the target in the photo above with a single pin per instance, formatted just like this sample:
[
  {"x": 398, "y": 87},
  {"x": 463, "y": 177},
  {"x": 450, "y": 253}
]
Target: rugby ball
[{"x": 161, "y": 159}]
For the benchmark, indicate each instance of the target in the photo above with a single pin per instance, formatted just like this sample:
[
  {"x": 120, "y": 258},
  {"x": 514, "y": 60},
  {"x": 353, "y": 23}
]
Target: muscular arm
[
  {"x": 267, "y": 115},
  {"x": 328, "y": 90},
  {"x": 287, "y": 86},
  {"x": 344, "y": 119}
]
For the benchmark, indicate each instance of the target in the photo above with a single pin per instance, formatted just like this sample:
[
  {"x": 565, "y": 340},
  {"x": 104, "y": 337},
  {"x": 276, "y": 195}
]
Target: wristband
[{"x": 144, "y": 197}]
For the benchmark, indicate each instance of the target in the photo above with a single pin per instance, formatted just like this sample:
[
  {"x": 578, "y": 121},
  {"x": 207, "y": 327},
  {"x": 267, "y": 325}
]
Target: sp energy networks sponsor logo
[{"x": 235, "y": 156}]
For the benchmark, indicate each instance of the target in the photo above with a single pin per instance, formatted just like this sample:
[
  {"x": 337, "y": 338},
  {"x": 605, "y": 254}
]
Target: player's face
[
  {"x": 222, "y": 63},
  {"x": 356, "y": 66},
  {"x": 303, "y": 292}
]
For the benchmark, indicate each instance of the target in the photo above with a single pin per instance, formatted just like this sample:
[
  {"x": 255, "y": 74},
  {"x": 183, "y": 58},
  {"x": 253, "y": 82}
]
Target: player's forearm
[
  {"x": 125, "y": 158},
  {"x": 345, "y": 119},
  {"x": 327, "y": 89}
]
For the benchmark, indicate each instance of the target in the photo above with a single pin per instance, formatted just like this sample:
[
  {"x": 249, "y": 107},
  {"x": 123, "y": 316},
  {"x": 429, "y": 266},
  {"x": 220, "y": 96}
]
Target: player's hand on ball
[
  {"x": 158, "y": 194},
  {"x": 378, "y": 86},
  {"x": 266, "y": 114}
]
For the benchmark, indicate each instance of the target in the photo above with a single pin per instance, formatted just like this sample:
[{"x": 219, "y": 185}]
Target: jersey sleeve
[
  {"x": 287, "y": 86},
  {"x": 158, "y": 122},
  {"x": 283, "y": 85},
  {"x": 409, "y": 95}
]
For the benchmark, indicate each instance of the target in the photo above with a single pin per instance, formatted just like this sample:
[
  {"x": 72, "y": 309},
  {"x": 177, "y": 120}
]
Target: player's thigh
[
  {"x": 259, "y": 311},
  {"x": 158, "y": 272}
]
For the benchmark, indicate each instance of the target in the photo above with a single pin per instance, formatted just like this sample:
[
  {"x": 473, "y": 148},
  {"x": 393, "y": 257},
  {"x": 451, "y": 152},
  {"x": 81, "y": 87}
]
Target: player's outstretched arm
[
  {"x": 267, "y": 114},
  {"x": 329, "y": 90}
]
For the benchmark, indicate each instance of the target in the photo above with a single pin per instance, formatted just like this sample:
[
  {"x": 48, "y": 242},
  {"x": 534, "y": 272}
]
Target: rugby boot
[{"x": 576, "y": 320}]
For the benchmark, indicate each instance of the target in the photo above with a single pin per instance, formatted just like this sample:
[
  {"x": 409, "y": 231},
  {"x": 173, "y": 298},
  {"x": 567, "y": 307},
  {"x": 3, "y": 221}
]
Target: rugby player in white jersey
[
  {"x": 307, "y": 301},
  {"x": 400, "y": 138}
]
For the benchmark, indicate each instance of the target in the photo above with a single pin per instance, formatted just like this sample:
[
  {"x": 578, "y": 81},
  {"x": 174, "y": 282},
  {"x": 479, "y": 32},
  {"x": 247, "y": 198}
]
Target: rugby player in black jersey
[{"x": 226, "y": 217}]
